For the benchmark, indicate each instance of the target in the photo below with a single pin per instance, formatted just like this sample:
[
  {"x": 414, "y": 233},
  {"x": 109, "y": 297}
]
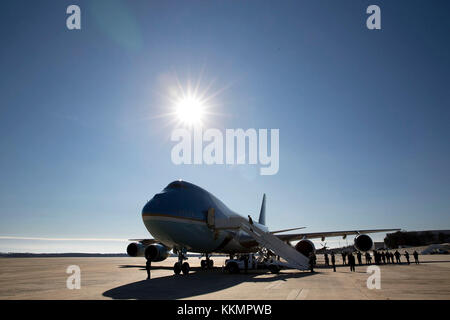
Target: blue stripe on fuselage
[{"x": 181, "y": 232}]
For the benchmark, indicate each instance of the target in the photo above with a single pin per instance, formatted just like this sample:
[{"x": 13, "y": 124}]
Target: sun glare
[
  {"x": 190, "y": 110},
  {"x": 190, "y": 105}
]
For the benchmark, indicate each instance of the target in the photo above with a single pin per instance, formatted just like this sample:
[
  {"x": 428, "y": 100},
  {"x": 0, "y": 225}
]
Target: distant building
[
  {"x": 379, "y": 245},
  {"x": 416, "y": 238}
]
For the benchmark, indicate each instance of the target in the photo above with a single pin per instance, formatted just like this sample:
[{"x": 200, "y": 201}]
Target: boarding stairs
[{"x": 267, "y": 240}]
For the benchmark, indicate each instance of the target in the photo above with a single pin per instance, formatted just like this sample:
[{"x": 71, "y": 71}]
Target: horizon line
[{"x": 61, "y": 239}]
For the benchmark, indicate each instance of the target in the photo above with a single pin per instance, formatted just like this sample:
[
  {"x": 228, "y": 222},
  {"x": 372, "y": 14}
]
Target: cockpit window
[{"x": 176, "y": 185}]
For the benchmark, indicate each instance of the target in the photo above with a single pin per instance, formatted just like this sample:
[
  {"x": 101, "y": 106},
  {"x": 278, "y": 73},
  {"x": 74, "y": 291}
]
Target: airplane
[{"x": 185, "y": 218}]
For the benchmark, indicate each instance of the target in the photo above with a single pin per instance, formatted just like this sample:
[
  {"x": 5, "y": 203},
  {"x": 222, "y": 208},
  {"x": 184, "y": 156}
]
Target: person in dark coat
[
  {"x": 375, "y": 257},
  {"x": 359, "y": 257},
  {"x": 407, "y": 257},
  {"x": 246, "y": 263},
  {"x": 397, "y": 256},
  {"x": 351, "y": 262},
  {"x": 333, "y": 261},
  {"x": 250, "y": 220},
  {"x": 148, "y": 266},
  {"x": 368, "y": 258},
  {"x": 416, "y": 257}
]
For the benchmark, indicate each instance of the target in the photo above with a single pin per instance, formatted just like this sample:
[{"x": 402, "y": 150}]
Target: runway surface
[{"x": 124, "y": 278}]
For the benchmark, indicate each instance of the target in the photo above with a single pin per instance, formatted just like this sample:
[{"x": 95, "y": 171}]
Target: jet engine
[
  {"x": 305, "y": 247},
  {"x": 156, "y": 252},
  {"x": 136, "y": 249},
  {"x": 363, "y": 242}
]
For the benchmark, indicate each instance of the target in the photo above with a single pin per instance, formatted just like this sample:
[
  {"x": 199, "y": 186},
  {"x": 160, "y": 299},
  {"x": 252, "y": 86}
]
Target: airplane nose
[
  {"x": 150, "y": 205},
  {"x": 156, "y": 204}
]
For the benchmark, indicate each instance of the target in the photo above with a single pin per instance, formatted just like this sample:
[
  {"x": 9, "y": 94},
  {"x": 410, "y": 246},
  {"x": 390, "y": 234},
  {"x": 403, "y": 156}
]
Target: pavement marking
[
  {"x": 293, "y": 294},
  {"x": 274, "y": 285},
  {"x": 303, "y": 294}
]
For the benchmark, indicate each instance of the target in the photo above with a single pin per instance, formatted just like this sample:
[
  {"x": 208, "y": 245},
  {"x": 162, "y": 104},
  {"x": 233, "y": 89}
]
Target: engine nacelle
[
  {"x": 305, "y": 247},
  {"x": 363, "y": 242},
  {"x": 156, "y": 252},
  {"x": 136, "y": 249}
]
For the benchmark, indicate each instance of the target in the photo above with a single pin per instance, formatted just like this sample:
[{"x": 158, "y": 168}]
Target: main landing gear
[
  {"x": 208, "y": 263},
  {"x": 179, "y": 266}
]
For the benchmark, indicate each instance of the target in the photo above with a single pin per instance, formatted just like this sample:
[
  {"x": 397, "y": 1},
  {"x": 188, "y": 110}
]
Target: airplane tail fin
[{"x": 262, "y": 213}]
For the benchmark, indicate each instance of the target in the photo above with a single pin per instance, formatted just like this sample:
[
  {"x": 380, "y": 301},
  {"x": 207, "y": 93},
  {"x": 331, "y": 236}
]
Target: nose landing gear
[
  {"x": 185, "y": 268},
  {"x": 179, "y": 266}
]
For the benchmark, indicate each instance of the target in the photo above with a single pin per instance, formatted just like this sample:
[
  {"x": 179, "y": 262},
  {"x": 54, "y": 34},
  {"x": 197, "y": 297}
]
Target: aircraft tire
[
  {"x": 233, "y": 268},
  {"x": 185, "y": 268},
  {"x": 176, "y": 268},
  {"x": 274, "y": 269}
]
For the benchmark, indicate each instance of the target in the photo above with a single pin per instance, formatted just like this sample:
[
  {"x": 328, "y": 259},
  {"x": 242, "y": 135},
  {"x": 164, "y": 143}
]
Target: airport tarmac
[{"x": 124, "y": 278}]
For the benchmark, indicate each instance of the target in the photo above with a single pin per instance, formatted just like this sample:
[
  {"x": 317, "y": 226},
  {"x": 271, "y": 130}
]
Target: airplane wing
[
  {"x": 285, "y": 230},
  {"x": 145, "y": 242},
  {"x": 323, "y": 235}
]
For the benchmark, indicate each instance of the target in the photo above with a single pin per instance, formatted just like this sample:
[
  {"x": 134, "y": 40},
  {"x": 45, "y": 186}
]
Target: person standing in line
[
  {"x": 407, "y": 257},
  {"x": 246, "y": 263},
  {"x": 375, "y": 256},
  {"x": 351, "y": 262},
  {"x": 397, "y": 256},
  {"x": 359, "y": 257},
  {"x": 333, "y": 262},
  {"x": 368, "y": 258},
  {"x": 416, "y": 257}
]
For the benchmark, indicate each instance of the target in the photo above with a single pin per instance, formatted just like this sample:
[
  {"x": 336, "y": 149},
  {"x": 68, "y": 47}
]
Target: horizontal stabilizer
[{"x": 145, "y": 242}]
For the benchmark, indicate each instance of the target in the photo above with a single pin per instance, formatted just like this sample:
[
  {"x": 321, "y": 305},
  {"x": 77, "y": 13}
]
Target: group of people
[{"x": 348, "y": 258}]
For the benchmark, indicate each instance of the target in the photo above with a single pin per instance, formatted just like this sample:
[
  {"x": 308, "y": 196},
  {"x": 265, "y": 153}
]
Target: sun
[
  {"x": 190, "y": 110},
  {"x": 191, "y": 104}
]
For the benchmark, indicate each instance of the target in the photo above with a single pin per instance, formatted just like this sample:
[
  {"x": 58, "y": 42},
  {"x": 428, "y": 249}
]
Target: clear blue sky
[{"x": 363, "y": 115}]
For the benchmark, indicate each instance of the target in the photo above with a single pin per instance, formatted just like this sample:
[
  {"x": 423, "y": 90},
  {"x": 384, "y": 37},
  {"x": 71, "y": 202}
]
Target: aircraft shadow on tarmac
[
  {"x": 125, "y": 266},
  {"x": 198, "y": 282},
  {"x": 435, "y": 261}
]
